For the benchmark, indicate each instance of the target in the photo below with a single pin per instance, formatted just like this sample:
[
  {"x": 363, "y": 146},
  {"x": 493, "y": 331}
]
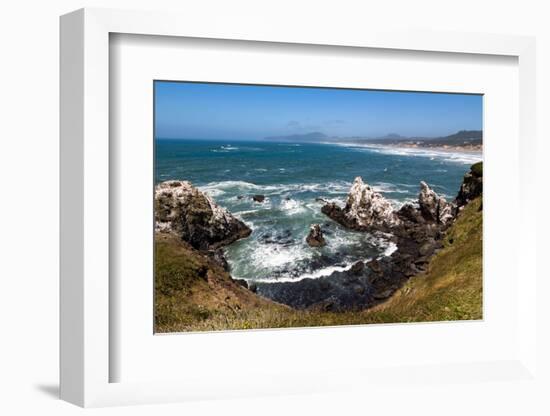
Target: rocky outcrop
[
  {"x": 315, "y": 237},
  {"x": 258, "y": 198},
  {"x": 417, "y": 230},
  {"x": 193, "y": 216},
  {"x": 434, "y": 207},
  {"x": 472, "y": 185},
  {"x": 365, "y": 209}
]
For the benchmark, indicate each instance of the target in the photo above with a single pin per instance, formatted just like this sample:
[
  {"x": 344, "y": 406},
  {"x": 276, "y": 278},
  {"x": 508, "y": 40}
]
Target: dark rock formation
[
  {"x": 194, "y": 217},
  {"x": 354, "y": 289},
  {"x": 315, "y": 237},
  {"x": 434, "y": 207},
  {"x": 283, "y": 238},
  {"x": 472, "y": 185},
  {"x": 218, "y": 257},
  {"x": 363, "y": 284},
  {"x": 358, "y": 267},
  {"x": 241, "y": 282},
  {"x": 409, "y": 213},
  {"x": 258, "y": 198},
  {"x": 417, "y": 231},
  {"x": 365, "y": 209}
]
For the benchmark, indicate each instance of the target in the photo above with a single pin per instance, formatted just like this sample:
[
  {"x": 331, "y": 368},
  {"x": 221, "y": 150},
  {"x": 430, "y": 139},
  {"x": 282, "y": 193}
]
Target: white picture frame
[{"x": 86, "y": 355}]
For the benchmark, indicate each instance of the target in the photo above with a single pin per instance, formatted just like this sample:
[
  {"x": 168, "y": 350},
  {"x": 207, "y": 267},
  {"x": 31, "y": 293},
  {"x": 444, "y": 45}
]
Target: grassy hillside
[
  {"x": 452, "y": 287},
  {"x": 194, "y": 294},
  {"x": 191, "y": 291}
]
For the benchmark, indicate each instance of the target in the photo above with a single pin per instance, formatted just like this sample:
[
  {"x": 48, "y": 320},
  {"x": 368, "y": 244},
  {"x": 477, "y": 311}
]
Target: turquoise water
[{"x": 295, "y": 178}]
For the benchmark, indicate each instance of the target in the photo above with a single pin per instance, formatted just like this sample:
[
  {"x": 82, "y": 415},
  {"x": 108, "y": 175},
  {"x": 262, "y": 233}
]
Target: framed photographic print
[
  {"x": 324, "y": 221},
  {"x": 307, "y": 198}
]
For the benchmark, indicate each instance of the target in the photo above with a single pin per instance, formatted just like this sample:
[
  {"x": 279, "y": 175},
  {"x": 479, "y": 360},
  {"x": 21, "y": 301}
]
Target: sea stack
[
  {"x": 193, "y": 216},
  {"x": 315, "y": 237},
  {"x": 433, "y": 207},
  {"x": 365, "y": 209}
]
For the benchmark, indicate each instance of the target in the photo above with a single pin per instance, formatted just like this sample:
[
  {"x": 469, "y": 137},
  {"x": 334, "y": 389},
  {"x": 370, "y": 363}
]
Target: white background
[{"x": 29, "y": 208}]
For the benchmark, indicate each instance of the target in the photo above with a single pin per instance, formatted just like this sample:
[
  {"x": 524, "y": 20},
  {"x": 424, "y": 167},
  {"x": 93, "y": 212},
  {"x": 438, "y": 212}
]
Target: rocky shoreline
[
  {"x": 192, "y": 216},
  {"x": 417, "y": 230}
]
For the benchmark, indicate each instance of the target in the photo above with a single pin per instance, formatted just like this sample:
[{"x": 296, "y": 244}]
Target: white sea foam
[
  {"x": 388, "y": 187},
  {"x": 212, "y": 192},
  {"x": 389, "y": 250},
  {"x": 227, "y": 185},
  {"x": 327, "y": 271},
  {"x": 291, "y": 206},
  {"x": 273, "y": 256},
  {"x": 275, "y": 189},
  {"x": 465, "y": 157},
  {"x": 246, "y": 212},
  {"x": 268, "y": 257},
  {"x": 225, "y": 148}
]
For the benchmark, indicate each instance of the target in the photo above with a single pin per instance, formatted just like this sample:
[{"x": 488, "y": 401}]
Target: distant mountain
[
  {"x": 393, "y": 136},
  {"x": 466, "y": 139},
  {"x": 463, "y": 137},
  {"x": 307, "y": 137}
]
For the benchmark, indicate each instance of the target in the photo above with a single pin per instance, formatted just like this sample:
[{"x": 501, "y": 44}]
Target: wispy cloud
[
  {"x": 298, "y": 126},
  {"x": 335, "y": 123}
]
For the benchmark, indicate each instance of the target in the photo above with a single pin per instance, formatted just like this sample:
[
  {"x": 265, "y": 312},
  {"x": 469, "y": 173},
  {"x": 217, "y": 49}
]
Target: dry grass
[{"x": 451, "y": 289}]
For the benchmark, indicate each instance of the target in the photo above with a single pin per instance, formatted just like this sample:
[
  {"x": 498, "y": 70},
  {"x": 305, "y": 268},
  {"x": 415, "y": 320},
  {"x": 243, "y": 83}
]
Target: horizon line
[{"x": 267, "y": 138}]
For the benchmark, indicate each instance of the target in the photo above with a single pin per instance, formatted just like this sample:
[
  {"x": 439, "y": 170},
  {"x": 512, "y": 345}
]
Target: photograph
[{"x": 299, "y": 206}]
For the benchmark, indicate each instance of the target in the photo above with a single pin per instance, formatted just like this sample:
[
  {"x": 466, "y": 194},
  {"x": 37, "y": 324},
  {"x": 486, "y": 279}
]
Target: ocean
[{"x": 296, "y": 179}]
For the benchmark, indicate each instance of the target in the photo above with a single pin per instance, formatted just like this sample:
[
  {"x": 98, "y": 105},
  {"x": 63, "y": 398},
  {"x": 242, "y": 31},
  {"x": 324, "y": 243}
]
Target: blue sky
[{"x": 249, "y": 112}]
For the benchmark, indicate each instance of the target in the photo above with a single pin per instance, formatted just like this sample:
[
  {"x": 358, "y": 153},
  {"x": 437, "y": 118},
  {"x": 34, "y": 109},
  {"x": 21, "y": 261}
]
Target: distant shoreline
[
  {"x": 448, "y": 148},
  {"x": 470, "y": 149}
]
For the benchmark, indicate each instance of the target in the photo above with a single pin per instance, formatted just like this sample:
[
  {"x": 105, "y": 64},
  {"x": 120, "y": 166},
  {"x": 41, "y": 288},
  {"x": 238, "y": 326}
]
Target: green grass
[
  {"x": 452, "y": 288},
  {"x": 477, "y": 169},
  {"x": 193, "y": 294}
]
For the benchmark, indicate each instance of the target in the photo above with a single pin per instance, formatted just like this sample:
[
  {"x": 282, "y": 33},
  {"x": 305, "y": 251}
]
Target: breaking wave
[{"x": 463, "y": 157}]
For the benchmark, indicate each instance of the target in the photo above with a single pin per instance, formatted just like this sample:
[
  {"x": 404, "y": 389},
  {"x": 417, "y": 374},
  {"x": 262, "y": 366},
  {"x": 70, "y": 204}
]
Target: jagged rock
[
  {"x": 434, "y": 207},
  {"x": 375, "y": 266},
  {"x": 358, "y": 267},
  {"x": 383, "y": 295},
  {"x": 472, "y": 185},
  {"x": 242, "y": 283},
  {"x": 360, "y": 290},
  {"x": 258, "y": 198},
  {"x": 418, "y": 233},
  {"x": 408, "y": 212},
  {"x": 365, "y": 209},
  {"x": 427, "y": 248},
  {"x": 315, "y": 237},
  {"x": 218, "y": 257},
  {"x": 193, "y": 216}
]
